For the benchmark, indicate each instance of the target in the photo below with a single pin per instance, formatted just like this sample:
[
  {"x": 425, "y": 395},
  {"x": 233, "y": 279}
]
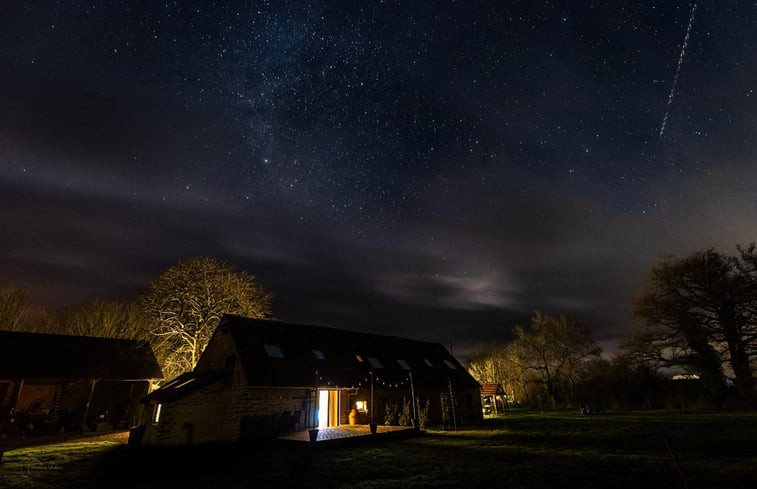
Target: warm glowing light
[
  {"x": 323, "y": 408},
  {"x": 361, "y": 406},
  {"x": 156, "y": 417}
]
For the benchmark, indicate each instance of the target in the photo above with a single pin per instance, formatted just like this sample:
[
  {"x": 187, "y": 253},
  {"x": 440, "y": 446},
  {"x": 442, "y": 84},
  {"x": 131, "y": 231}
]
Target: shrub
[
  {"x": 423, "y": 414},
  {"x": 391, "y": 413},
  {"x": 405, "y": 417}
]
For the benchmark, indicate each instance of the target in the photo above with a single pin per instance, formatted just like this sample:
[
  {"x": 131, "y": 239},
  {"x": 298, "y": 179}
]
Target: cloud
[{"x": 480, "y": 260}]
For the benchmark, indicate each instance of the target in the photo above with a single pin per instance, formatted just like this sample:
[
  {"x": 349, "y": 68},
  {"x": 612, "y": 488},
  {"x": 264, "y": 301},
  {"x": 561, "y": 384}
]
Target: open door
[{"x": 328, "y": 408}]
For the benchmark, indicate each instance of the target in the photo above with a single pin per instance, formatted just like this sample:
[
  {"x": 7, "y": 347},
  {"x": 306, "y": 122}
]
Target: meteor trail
[{"x": 678, "y": 70}]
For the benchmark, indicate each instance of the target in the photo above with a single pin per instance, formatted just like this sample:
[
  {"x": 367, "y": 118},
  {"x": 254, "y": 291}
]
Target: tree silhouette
[{"x": 699, "y": 312}]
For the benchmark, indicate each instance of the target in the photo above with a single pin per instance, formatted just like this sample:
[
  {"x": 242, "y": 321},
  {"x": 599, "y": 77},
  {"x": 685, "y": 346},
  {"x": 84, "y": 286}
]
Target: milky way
[{"x": 435, "y": 170}]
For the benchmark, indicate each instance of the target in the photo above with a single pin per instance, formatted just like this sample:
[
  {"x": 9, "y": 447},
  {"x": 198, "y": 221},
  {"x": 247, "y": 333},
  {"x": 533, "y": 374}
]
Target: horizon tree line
[{"x": 698, "y": 318}]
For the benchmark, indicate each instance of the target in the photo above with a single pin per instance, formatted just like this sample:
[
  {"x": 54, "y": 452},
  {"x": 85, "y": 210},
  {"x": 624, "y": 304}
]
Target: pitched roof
[
  {"x": 491, "y": 389},
  {"x": 275, "y": 353},
  {"x": 51, "y": 356},
  {"x": 184, "y": 384}
]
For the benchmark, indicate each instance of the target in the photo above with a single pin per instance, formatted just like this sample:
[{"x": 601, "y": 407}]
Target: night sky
[{"x": 437, "y": 170}]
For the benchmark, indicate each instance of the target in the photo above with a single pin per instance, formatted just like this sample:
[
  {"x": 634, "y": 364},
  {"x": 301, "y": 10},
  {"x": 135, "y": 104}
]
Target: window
[
  {"x": 156, "y": 413},
  {"x": 319, "y": 354},
  {"x": 403, "y": 364},
  {"x": 273, "y": 351},
  {"x": 375, "y": 362},
  {"x": 450, "y": 365},
  {"x": 361, "y": 406},
  {"x": 359, "y": 358},
  {"x": 428, "y": 362}
]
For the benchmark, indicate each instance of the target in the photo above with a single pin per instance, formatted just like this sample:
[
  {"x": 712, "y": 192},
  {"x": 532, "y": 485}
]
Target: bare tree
[
  {"x": 493, "y": 362},
  {"x": 699, "y": 311},
  {"x": 107, "y": 319},
  {"x": 186, "y": 303},
  {"x": 553, "y": 348},
  {"x": 13, "y": 309}
]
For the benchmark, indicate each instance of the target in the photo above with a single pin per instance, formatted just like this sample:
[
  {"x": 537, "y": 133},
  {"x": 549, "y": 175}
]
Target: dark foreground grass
[{"x": 519, "y": 450}]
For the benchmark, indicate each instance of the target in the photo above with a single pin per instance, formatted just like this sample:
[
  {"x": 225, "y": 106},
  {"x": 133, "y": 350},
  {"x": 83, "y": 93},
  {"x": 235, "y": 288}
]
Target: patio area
[{"x": 349, "y": 433}]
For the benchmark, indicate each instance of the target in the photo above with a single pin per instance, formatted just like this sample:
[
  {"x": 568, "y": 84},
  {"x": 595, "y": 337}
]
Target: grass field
[{"x": 518, "y": 450}]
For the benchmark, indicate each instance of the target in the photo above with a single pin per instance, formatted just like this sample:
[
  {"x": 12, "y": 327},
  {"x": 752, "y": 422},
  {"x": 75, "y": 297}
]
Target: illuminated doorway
[{"x": 328, "y": 408}]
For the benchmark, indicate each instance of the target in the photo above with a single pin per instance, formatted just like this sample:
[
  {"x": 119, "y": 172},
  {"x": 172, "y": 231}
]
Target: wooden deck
[{"x": 349, "y": 433}]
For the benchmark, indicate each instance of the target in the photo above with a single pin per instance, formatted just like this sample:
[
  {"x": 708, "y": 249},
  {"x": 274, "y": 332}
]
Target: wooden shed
[{"x": 492, "y": 398}]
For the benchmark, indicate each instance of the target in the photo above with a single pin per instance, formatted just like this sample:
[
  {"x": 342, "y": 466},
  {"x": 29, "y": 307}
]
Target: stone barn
[
  {"x": 52, "y": 383},
  {"x": 257, "y": 379}
]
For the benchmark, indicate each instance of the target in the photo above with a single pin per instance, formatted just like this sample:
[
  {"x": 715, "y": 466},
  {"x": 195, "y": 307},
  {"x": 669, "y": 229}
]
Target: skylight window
[
  {"x": 403, "y": 364},
  {"x": 428, "y": 362},
  {"x": 318, "y": 354},
  {"x": 450, "y": 365},
  {"x": 359, "y": 358},
  {"x": 375, "y": 362},
  {"x": 273, "y": 351}
]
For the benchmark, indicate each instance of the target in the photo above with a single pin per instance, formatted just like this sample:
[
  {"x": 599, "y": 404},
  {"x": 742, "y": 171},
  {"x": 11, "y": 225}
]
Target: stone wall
[
  {"x": 219, "y": 412},
  {"x": 192, "y": 419},
  {"x": 260, "y": 407}
]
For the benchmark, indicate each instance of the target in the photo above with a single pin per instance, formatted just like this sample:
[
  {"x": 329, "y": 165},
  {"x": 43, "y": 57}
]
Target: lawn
[{"x": 518, "y": 450}]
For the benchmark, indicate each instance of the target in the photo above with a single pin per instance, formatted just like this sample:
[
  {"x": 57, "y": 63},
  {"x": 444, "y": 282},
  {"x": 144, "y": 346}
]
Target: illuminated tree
[
  {"x": 553, "y": 349},
  {"x": 186, "y": 303},
  {"x": 106, "y": 319},
  {"x": 13, "y": 309},
  {"x": 699, "y": 312},
  {"x": 495, "y": 363}
]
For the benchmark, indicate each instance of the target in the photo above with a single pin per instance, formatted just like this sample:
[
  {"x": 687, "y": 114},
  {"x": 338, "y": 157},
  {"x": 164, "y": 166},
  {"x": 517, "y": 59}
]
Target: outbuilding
[
  {"x": 51, "y": 383},
  {"x": 258, "y": 378}
]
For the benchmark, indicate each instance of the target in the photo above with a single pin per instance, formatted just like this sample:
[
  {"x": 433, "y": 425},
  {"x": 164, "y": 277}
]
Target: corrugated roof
[
  {"x": 49, "y": 356},
  {"x": 336, "y": 361}
]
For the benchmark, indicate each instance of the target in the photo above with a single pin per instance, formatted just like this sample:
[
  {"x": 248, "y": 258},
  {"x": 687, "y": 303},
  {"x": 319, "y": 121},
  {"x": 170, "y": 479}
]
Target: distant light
[{"x": 156, "y": 416}]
